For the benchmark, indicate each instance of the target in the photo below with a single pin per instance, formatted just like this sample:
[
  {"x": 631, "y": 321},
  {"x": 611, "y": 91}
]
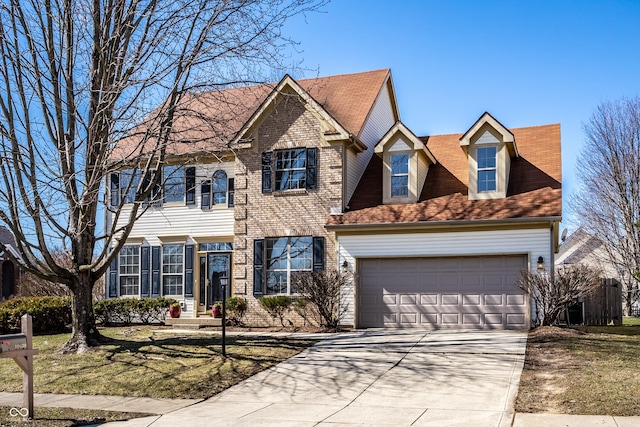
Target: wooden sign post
[{"x": 19, "y": 347}]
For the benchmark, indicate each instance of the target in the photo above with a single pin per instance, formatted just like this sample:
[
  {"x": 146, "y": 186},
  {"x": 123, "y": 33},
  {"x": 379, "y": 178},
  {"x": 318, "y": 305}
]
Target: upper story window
[
  {"x": 399, "y": 175},
  {"x": 487, "y": 169},
  {"x": 219, "y": 187},
  {"x": 217, "y": 191},
  {"x": 294, "y": 169},
  {"x": 179, "y": 184},
  {"x": 174, "y": 183}
]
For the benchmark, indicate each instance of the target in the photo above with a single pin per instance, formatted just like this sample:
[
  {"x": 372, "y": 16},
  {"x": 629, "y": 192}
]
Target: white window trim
[
  {"x": 288, "y": 269},
  {"x": 136, "y": 275},
  {"x": 494, "y": 169},
  {"x": 163, "y": 274}
]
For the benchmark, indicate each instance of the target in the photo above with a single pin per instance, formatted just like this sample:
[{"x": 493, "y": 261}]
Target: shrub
[
  {"x": 50, "y": 314},
  {"x": 127, "y": 310},
  {"x": 322, "y": 290},
  {"x": 276, "y": 306},
  {"x": 553, "y": 294},
  {"x": 236, "y": 308}
]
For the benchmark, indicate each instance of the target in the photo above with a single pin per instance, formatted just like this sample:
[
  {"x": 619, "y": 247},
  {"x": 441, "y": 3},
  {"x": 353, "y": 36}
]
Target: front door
[{"x": 215, "y": 270}]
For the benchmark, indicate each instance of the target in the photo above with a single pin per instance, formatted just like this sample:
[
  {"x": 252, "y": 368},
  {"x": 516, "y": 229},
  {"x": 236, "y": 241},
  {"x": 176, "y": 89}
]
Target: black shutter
[
  {"x": 258, "y": 267},
  {"x": 113, "y": 278},
  {"x": 156, "y": 193},
  {"x": 188, "y": 270},
  {"x": 190, "y": 178},
  {"x": 266, "y": 172},
  {"x": 114, "y": 189},
  {"x": 205, "y": 194},
  {"x": 155, "y": 271},
  {"x": 312, "y": 168},
  {"x": 318, "y": 253},
  {"x": 232, "y": 193},
  {"x": 144, "y": 270}
]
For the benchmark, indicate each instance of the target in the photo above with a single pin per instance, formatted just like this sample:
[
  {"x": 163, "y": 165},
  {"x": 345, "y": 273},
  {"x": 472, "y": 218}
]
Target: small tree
[
  {"x": 322, "y": 289},
  {"x": 554, "y": 293}
]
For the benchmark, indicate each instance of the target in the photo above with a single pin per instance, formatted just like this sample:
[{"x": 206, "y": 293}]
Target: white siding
[
  {"x": 531, "y": 242},
  {"x": 423, "y": 168},
  {"x": 178, "y": 219},
  {"x": 380, "y": 120}
]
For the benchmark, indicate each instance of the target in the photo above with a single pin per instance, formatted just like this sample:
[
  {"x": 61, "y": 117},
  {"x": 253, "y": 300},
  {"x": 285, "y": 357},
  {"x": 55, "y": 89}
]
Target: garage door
[{"x": 473, "y": 292}]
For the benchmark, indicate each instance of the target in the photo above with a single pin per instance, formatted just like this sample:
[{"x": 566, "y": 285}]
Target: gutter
[{"x": 442, "y": 224}]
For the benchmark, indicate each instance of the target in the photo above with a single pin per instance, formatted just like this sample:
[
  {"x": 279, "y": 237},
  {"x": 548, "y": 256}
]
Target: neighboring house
[
  {"x": 322, "y": 174},
  {"x": 581, "y": 247},
  {"x": 10, "y": 270}
]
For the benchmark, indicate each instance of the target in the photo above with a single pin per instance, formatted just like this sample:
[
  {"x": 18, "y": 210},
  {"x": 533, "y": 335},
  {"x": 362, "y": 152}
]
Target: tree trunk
[{"x": 84, "y": 333}]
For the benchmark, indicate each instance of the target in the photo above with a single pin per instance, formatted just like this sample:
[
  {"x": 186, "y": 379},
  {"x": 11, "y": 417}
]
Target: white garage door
[{"x": 474, "y": 292}]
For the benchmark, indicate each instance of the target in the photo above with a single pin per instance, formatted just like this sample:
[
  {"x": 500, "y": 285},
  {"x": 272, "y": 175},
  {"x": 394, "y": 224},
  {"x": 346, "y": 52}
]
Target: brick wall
[{"x": 290, "y": 213}]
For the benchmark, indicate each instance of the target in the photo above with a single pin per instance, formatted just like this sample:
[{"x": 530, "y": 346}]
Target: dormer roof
[
  {"x": 409, "y": 137},
  {"x": 534, "y": 191},
  {"x": 488, "y": 123}
]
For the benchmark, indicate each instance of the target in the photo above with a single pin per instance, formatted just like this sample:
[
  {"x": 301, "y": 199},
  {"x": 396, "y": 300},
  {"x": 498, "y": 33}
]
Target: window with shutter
[{"x": 219, "y": 187}]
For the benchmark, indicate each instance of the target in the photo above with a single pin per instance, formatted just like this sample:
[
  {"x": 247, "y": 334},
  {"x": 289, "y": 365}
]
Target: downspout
[{"x": 552, "y": 258}]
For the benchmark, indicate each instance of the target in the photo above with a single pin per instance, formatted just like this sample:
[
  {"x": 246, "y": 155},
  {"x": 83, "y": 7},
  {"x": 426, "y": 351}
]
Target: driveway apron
[{"x": 376, "y": 377}]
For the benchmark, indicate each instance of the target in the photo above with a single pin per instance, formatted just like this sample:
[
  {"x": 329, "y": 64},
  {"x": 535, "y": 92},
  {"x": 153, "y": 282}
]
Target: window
[
  {"x": 486, "y": 169},
  {"x": 129, "y": 270},
  {"x": 219, "y": 187},
  {"x": 129, "y": 180},
  {"x": 291, "y": 167},
  {"x": 174, "y": 183},
  {"x": 294, "y": 169},
  {"x": 399, "y": 175},
  {"x": 172, "y": 269},
  {"x": 284, "y": 256},
  {"x": 216, "y": 247}
]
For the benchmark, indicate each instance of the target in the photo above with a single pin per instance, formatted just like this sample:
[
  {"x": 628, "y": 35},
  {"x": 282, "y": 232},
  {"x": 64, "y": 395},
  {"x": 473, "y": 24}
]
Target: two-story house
[{"x": 322, "y": 174}]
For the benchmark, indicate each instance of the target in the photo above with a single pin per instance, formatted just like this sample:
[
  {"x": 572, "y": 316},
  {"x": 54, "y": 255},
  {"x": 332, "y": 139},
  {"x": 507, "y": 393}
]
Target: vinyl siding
[
  {"x": 378, "y": 123},
  {"x": 177, "y": 219},
  {"x": 531, "y": 242}
]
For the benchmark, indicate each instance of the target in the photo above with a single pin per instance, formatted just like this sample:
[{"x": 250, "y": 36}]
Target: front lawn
[
  {"x": 586, "y": 370},
  {"x": 140, "y": 362}
]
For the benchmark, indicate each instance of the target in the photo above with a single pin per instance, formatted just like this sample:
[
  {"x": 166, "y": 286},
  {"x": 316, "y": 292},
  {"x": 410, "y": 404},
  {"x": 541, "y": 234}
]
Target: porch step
[{"x": 197, "y": 323}]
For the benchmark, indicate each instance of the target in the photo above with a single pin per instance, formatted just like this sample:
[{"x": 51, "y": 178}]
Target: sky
[{"x": 527, "y": 63}]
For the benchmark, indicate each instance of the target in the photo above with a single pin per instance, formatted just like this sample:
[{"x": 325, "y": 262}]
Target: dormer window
[
  {"x": 406, "y": 160},
  {"x": 487, "y": 169},
  {"x": 489, "y": 147},
  {"x": 399, "y": 175}
]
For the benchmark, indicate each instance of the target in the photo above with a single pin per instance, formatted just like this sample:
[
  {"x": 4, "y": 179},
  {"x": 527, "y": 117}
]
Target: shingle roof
[
  {"x": 534, "y": 185},
  {"x": 207, "y": 121}
]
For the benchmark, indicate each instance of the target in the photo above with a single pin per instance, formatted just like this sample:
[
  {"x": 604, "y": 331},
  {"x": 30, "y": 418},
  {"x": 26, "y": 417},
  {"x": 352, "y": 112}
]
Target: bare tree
[
  {"x": 609, "y": 192},
  {"x": 554, "y": 293},
  {"x": 77, "y": 76},
  {"x": 323, "y": 290}
]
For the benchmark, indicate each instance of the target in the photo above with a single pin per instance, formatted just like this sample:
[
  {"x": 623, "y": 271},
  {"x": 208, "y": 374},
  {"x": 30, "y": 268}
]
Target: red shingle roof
[
  {"x": 534, "y": 185},
  {"x": 207, "y": 121}
]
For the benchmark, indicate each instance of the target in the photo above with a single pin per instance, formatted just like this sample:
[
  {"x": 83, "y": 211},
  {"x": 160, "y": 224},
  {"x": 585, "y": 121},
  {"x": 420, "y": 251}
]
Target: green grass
[
  {"x": 142, "y": 363},
  {"x": 631, "y": 321},
  {"x": 592, "y": 371},
  {"x": 64, "y": 417}
]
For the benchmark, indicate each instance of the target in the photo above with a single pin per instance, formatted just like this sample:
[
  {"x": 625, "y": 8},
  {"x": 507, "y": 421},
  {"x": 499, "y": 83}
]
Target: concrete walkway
[
  {"x": 377, "y": 378},
  {"x": 398, "y": 378}
]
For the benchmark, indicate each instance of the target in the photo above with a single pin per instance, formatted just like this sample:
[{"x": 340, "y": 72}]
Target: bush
[
  {"x": 321, "y": 292},
  {"x": 553, "y": 294},
  {"x": 276, "y": 306},
  {"x": 128, "y": 310},
  {"x": 51, "y": 315},
  {"x": 236, "y": 308}
]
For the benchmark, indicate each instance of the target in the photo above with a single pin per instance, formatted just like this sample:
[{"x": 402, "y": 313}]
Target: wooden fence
[{"x": 604, "y": 307}]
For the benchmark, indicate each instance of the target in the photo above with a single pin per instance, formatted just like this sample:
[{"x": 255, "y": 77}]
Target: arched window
[{"x": 219, "y": 187}]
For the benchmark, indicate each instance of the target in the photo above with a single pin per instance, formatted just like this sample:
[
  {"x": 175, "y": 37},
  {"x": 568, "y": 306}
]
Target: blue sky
[{"x": 526, "y": 62}]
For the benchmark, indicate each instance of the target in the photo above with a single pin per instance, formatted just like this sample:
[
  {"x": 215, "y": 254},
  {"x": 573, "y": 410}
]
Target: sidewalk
[
  {"x": 158, "y": 407},
  {"x": 145, "y": 405}
]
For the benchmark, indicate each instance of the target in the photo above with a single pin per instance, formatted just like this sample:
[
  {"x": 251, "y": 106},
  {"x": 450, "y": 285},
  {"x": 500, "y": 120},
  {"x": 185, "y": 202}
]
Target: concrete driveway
[{"x": 376, "y": 377}]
